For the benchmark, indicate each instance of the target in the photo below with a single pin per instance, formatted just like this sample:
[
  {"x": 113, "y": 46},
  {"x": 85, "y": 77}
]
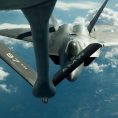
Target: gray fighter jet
[{"x": 71, "y": 46}]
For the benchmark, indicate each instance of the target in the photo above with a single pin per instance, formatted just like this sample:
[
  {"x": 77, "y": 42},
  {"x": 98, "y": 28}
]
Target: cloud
[
  {"x": 108, "y": 16},
  {"x": 3, "y": 74},
  {"x": 79, "y": 20},
  {"x": 11, "y": 11},
  {"x": 10, "y": 42},
  {"x": 116, "y": 5},
  {"x": 7, "y": 89},
  {"x": 26, "y": 45},
  {"x": 112, "y": 56},
  {"x": 69, "y": 6},
  {"x": 4, "y": 87},
  {"x": 97, "y": 68},
  {"x": 112, "y": 53},
  {"x": 13, "y": 26}
]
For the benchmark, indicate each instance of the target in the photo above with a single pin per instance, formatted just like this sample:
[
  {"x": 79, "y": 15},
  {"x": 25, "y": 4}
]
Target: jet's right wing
[
  {"x": 17, "y": 64},
  {"x": 21, "y": 32}
]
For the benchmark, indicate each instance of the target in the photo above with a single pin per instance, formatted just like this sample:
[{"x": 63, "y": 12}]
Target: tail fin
[
  {"x": 94, "y": 20},
  {"x": 17, "y": 64}
]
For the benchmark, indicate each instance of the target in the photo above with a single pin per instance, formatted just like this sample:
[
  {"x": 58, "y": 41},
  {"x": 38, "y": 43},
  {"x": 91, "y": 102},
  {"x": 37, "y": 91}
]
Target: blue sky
[
  {"x": 82, "y": 10},
  {"x": 93, "y": 95}
]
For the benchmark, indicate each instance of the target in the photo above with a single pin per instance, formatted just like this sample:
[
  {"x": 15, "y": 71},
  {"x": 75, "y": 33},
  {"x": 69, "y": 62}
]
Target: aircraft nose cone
[{"x": 72, "y": 49}]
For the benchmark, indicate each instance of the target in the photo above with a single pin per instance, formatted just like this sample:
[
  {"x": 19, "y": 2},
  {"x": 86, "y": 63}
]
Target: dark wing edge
[
  {"x": 17, "y": 64},
  {"x": 23, "y": 34}
]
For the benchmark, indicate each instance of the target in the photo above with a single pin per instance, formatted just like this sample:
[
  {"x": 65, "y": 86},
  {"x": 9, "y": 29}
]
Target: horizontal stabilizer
[{"x": 17, "y": 64}]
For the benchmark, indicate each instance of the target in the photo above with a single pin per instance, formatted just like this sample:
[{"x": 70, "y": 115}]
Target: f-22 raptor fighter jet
[{"x": 71, "y": 46}]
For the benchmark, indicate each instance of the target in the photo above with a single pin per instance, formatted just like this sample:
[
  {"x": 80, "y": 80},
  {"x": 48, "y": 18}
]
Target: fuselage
[{"x": 67, "y": 42}]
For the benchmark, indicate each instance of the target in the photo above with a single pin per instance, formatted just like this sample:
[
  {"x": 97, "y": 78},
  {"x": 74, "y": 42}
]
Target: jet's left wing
[
  {"x": 107, "y": 35},
  {"x": 17, "y": 64},
  {"x": 107, "y": 39}
]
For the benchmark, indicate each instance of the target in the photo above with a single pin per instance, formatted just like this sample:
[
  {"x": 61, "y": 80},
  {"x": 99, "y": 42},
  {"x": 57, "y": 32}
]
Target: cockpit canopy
[{"x": 80, "y": 29}]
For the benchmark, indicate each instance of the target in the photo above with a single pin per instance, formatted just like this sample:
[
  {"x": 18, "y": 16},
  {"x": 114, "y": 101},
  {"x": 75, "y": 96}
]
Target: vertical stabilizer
[{"x": 95, "y": 19}]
